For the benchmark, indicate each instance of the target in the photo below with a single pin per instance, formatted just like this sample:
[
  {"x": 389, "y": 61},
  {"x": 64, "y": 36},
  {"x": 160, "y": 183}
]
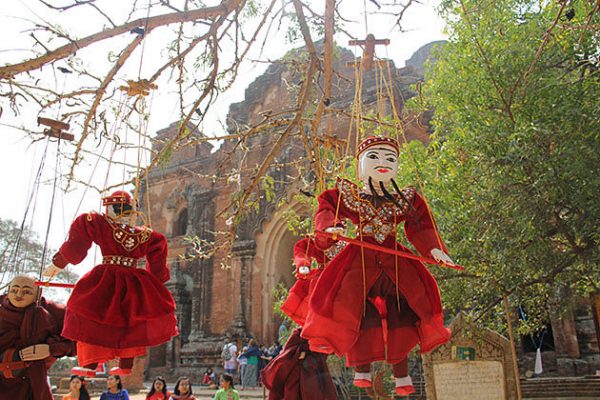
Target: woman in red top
[
  {"x": 159, "y": 390},
  {"x": 116, "y": 309}
]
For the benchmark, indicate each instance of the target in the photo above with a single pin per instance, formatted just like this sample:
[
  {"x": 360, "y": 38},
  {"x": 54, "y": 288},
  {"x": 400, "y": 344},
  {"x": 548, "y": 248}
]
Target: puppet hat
[
  {"x": 375, "y": 140},
  {"x": 118, "y": 197}
]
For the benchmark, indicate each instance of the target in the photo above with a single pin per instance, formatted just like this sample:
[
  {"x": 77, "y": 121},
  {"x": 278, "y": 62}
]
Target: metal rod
[
  {"x": 387, "y": 250},
  {"x": 52, "y": 284}
]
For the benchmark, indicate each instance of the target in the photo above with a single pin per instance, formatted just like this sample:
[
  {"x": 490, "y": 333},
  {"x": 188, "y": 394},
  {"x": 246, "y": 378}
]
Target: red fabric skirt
[
  {"x": 89, "y": 353},
  {"x": 337, "y": 307},
  {"x": 295, "y": 305},
  {"x": 118, "y": 307}
]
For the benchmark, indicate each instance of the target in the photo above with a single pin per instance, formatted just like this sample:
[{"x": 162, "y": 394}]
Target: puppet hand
[
  {"x": 336, "y": 230},
  {"x": 442, "y": 257},
  {"x": 51, "y": 271},
  {"x": 303, "y": 271},
  {"x": 35, "y": 352}
]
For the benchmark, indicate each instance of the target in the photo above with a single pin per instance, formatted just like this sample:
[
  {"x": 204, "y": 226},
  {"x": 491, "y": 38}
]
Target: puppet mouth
[{"x": 383, "y": 170}]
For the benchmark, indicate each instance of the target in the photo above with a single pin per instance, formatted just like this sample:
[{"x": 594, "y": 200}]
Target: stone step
[{"x": 565, "y": 387}]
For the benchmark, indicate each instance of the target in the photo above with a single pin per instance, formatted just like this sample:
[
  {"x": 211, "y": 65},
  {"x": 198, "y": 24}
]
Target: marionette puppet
[
  {"x": 30, "y": 341},
  {"x": 116, "y": 310},
  {"x": 297, "y": 372},
  {"x": 371, "y": 303}
]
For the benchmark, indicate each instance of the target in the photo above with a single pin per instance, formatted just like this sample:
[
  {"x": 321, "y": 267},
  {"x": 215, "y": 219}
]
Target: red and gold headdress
[
  {"x": 375, "y": 140},
  {"x": 118, "y": 197}
]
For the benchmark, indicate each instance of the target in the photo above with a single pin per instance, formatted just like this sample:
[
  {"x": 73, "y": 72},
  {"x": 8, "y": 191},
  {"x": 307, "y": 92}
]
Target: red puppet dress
[
  {"x": 116, "y": 309},
  {"x": 360, "y": 286}
]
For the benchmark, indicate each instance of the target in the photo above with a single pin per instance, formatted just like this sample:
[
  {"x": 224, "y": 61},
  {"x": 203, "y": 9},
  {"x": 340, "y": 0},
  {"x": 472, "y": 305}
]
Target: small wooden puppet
[{"x": 116, "y": 310}]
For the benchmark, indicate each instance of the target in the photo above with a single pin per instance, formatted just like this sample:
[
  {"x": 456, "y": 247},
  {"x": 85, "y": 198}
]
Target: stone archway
[{"x": 274, "y": 251}]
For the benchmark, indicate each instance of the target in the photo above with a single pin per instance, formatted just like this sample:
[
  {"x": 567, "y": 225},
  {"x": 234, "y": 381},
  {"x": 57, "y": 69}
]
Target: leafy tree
[
  {"x": 21, "y": 253},
  {"x": 516, "y": 153}
]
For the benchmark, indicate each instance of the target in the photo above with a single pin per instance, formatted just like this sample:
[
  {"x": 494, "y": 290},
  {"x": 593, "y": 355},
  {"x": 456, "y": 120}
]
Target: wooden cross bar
[
  {"x": 368, "y": 50},
  {"x": 56, "y": 128}
]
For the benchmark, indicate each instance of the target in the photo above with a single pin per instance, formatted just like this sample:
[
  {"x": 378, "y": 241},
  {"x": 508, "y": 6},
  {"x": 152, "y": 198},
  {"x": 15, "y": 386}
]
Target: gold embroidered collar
[{"x": 128, "y": 236}]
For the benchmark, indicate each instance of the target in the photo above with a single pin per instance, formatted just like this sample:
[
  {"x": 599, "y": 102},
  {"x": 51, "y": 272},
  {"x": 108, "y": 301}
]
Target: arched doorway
[{"x": 275, "y": 247}]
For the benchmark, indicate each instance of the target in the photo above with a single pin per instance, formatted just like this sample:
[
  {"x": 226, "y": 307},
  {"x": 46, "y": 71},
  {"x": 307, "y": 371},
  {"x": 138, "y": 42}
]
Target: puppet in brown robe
[
  {"x": 30, "y": 341},
  {"x": 298, "y": 373}
]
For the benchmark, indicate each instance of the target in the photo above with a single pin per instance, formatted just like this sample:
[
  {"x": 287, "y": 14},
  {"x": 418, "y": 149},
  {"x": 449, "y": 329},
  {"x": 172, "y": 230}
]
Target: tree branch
[{"x": 148, "y": 23}]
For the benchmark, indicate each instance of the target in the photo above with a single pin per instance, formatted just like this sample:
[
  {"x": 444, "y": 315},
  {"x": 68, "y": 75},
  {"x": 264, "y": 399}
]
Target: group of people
[
  {"x": 78, "y": 389},
  {"x": 159, "y": 391},
  {"x": 247, "y": 362}
]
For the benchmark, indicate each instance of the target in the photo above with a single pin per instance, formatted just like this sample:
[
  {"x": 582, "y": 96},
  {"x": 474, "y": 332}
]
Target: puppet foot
[
  {"x": 362, "y": 379},
  {"x": 404, "y": 386},
  {"x": 119, "y": 371},
  {"x": 81, "y": 371}
]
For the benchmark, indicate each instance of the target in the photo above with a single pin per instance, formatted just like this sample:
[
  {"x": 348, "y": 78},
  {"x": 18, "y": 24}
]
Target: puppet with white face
[{"x": 393, "y": 300}]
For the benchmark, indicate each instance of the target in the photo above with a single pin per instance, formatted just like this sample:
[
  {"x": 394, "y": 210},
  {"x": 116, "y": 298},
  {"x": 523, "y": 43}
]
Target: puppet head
[
  {"x": 119, "y": 204},
  {"x": 22, "y": 291},
  {"x": 378, "y": 160}
]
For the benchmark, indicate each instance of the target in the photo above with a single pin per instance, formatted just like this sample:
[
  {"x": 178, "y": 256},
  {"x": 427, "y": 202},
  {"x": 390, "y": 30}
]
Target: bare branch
[{"x": 148, "y": 23}]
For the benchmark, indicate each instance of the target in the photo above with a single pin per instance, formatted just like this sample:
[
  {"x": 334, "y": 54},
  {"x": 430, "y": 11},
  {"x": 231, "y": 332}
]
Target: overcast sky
[{"x": 20, "y": 159}]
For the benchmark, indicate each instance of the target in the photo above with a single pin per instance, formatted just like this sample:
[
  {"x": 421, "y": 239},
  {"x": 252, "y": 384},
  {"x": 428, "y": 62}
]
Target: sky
[{"x": 20, "y": 159}]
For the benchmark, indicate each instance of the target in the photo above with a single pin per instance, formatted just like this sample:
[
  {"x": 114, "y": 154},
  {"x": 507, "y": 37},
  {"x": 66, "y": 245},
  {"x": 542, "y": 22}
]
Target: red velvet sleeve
[
  {"x": 157, "y": 257},
  {"x": 81, "y": 236},
  {"x": 420, "y": 228},
  {"x": 301, "y": 253},
  {"x": 326, "y": 216}
]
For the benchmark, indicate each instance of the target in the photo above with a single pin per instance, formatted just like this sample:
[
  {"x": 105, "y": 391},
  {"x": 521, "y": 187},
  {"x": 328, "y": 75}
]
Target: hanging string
[
  {"x": 16, "y": 247},
  {"x": 421, "y": 184}
]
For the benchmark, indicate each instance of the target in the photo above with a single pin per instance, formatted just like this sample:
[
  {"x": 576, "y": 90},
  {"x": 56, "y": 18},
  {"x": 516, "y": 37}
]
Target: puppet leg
[
  {"x": 404, "y": 385},
  {"x": 88, "y": 370},
  {"x": 362, "y": 376},
  {"x": 124, "y": 368}
]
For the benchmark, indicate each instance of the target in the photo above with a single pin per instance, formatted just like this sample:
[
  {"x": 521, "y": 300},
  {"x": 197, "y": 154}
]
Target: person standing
[
  {"x": 253, "y": 354},
  {"x": 242, "y": 363},
  {"x": 229, "y": 355}
]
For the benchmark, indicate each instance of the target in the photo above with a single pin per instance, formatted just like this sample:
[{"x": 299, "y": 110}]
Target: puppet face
[
  {"x": 118, "y": 212},
  {"x": 380, "y": 163},
  {"x": 22, "y": 291}
]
